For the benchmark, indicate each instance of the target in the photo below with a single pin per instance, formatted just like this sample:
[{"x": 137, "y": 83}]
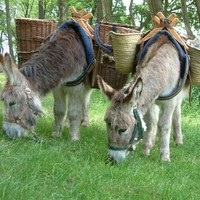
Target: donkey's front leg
[
  {"x": 87, "y": 94},
  {"x": 176, "y": 121},
  {"x": 151, "y": 120},
  {"x": 60, "y": 107},
  {"x": 76, "y": 108},
  {"x": 164, "y": 127}
]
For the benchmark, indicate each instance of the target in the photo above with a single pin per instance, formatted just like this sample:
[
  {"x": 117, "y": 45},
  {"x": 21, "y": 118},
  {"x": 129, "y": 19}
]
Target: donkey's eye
[
  {"x": 12, "y": 103},
  {"x": 121, "y": 131}
]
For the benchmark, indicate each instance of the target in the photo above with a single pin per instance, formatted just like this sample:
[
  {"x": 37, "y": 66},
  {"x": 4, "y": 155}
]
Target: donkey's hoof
[
  {"x": 165, "y": 158},
  {"x": 85, "y": 123},
  {"x": 178, "y": 138},
  {"x": 56, "y": 134},
  {"x": 146, "y": 152},
  {"x": 75, "y": 137},
  {"x": 179, "y": 142},
  {"x": 66, "y": 123}
]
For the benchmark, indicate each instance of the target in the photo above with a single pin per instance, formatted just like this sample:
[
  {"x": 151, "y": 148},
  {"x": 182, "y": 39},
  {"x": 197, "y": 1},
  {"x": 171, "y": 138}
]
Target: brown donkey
[
  {"x": 136, "y": 108},
  {"x": 61, "y": 59}
]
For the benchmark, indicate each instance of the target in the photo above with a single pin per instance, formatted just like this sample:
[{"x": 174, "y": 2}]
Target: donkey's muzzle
[{"x": 13, "y": 130}]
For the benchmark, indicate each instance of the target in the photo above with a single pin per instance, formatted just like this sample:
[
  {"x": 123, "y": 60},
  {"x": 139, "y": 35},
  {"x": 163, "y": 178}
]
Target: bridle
[
  {"x": 138, "y": 130},
  {"x": 18, "y": 119}
]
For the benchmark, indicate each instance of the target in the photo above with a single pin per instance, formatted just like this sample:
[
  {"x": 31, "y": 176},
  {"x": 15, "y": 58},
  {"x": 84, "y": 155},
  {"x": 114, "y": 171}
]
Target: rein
[{"x": 138, "y": 130}]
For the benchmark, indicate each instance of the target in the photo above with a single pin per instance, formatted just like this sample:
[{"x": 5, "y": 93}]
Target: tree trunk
[
  {"x": 107, "y": 10},
  {"x": 131, "y": 13},
  {"x": 10, "y": 44},
  {"x": 186, "y": 19},
  {"x": 62, "y": 11},
  {"x": 41, "y": 9},
  {"x": 99, "y": 11},
  {"x": 197, "y": 3},
  {"x": 155, "y": 6}
]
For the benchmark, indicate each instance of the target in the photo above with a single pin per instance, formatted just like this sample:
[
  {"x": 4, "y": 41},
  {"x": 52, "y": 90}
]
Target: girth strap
[{"x": 80, "y": 78}]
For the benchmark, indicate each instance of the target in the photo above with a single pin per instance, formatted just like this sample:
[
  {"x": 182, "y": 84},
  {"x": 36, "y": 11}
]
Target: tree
[
  {"x": 61, "y": 11},
  {"x": 10, "y": 44},
  {"x": 26, "y": 7},
  {"x": 107, "y": 10},
  {"x": 99, "y": 10},
  {"x": 131, "y": 13},
  {"x": 155, "y": 6},
  {"x": 41, "y": 9},
  {"x": 186, "y": 20},
  {"x": 197, "y": 3}
]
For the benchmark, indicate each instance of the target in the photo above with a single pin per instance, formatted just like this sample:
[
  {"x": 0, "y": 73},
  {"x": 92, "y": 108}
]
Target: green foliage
[
  {"x": 142, "y": 16},
  {"x": 193, "y": 18},
  {"x": 119, "y": 12},
  {"x": 3, "y": 30},
  {"x": 196, "y": 96}
]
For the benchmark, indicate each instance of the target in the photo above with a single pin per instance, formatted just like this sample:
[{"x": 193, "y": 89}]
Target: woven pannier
[
  {"x": 194, "y": 54},
  {"x": 105, "y": 63},
  {"x": 106, "y": 27},
  {"x": 124, "y": 49},
  {"x": 30, "y": 34},
  {"x": 105, "y": 67}
]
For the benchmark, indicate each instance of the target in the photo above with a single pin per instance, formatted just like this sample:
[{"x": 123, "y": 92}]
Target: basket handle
[{"x": 105, "y": 47}]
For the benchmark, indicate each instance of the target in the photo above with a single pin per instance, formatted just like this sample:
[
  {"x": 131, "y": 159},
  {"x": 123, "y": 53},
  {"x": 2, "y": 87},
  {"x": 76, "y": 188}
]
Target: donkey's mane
[{"x": 61, "y": 55}]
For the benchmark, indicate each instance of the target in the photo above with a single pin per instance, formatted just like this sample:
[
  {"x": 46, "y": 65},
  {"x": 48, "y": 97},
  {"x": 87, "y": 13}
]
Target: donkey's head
[
  {"x": 21, "y": 104},
  {"x": 123, "y": 122}
]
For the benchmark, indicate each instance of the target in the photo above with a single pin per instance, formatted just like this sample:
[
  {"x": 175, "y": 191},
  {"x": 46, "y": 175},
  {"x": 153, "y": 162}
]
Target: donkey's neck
[{"x": 40, "y": 78}]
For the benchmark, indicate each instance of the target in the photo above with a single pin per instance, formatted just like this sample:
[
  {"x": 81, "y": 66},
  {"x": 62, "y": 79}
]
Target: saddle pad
[
  {"x": 181, "y": 50},
  {"x": 84, "y": 37}
]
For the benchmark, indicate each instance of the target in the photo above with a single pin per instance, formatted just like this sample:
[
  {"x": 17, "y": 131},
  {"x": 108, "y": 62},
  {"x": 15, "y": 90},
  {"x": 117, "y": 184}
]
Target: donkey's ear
[
  {"x": 138, "y": 88},
  {"x": 105, "y": 88},
  {"x": 1, "y": 59},
  {"x": 133, "y": 92},
  {"x": 9, "y": 67},
  {"x": 2, "y": 64},
  {"x": 53, "y": 36}
]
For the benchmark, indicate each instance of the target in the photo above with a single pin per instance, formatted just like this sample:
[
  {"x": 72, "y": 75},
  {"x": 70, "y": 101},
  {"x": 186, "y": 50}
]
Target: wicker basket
[
  {"x": 124, "y": 48},
  {"x": 30, "y": 34},
  {"x": 194, "y": 54},
  {"x": 105, "y": 67},
  {"x": 106, "y": 27}
]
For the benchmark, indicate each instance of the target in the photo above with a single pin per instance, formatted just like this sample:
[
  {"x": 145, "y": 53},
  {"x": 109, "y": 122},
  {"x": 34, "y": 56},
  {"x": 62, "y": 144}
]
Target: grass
[{"x": 59, "y": 169}]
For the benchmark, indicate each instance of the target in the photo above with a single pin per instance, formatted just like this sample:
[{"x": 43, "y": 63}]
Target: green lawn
[{"x": 59, "y": 169}]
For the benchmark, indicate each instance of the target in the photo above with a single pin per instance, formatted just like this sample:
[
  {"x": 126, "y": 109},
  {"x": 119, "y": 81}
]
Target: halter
[
  {"x": 17, "y": 119},
  {"x": 138, "y": 130}
]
